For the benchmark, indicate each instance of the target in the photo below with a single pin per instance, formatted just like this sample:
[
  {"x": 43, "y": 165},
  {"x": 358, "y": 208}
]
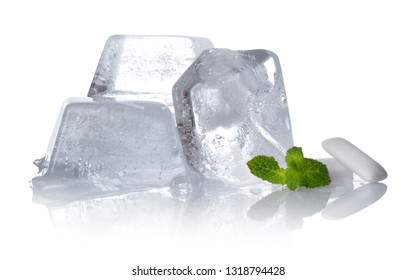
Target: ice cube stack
[{"x": 169, "y": 111}]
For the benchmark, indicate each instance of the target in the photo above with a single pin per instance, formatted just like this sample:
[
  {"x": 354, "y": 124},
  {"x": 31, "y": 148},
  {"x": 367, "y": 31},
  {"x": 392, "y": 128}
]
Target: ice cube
[
  {"x": 111, "y": 146},
  {"x": 144, "y": 67},
  {"x": 231, "y": 106}
]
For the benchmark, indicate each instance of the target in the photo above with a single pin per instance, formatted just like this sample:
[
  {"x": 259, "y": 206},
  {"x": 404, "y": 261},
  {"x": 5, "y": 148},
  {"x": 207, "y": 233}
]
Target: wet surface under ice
[{"x": 211, "y": 210}]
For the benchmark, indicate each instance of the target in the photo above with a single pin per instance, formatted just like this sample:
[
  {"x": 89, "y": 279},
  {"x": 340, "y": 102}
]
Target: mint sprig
[{"x": 300, "y": 171}]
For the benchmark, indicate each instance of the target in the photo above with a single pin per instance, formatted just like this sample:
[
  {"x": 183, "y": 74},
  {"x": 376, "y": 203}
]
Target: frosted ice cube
[
  {"x": 107, "y": 146},
  {"x": 231, "y": 106},
  {"x": 144, "y": 67}
]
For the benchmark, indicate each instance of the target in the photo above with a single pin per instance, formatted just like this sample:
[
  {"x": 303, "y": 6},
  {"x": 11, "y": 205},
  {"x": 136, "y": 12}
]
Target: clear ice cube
[
  {"x": 231, "y": 106},
  {"x": 144, "y": 67},
  {"x": 109, "y": 145}
]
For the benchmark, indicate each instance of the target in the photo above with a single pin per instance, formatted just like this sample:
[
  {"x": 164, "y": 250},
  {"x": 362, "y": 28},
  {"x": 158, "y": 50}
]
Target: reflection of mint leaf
[{"x": 300, "y": 171}]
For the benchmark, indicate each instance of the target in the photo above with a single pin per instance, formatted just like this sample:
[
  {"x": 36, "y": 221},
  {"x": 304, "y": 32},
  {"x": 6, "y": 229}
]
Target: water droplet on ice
[{"x": 283, "y": 98}]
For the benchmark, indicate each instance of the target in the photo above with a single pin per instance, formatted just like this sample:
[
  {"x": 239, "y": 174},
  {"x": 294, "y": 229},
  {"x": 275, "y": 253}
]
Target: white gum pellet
[
  {"x": 337, "y": 172},
  {"x": 354, "y": 159}
]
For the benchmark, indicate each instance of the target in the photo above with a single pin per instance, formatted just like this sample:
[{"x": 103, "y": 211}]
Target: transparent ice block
[
  {"x": 231, "y": 106},
  {"x": 144, "y": 67},
  {"x": 108, "y": 146}
]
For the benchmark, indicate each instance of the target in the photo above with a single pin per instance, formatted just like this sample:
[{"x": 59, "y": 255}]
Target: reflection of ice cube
[
  {"x": 218, "y": 209},
  {"x": 144, "y": 66},
  {"x": 151, "y": 213},
  {"x": 231, "y": 106},
  {"x": 114, "y": 145}
]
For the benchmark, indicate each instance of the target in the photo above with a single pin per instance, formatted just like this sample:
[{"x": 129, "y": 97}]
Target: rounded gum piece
[{"x": 354, "y": 159}]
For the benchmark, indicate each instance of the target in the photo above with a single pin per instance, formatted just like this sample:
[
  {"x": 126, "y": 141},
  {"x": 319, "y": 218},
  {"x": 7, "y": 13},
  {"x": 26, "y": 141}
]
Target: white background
[{"x": 349, "y": 69}]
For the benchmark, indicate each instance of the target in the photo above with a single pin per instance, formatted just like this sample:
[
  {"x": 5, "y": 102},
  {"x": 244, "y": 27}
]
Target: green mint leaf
[
  {"x": 303, "y": 171},
  {"x": 294, "y": 158},
  {"x": 295, "y": 178},
  {"x": 316, "y": 173},
  {"x": 300, "y": 171},
  {"x": 267, "y": 168}
]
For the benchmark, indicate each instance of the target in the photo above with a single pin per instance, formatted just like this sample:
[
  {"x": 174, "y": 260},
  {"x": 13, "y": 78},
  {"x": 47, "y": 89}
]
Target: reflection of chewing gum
[
  {"x": 354, "y": 159},
  {"x": 354, "y": 201}
]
